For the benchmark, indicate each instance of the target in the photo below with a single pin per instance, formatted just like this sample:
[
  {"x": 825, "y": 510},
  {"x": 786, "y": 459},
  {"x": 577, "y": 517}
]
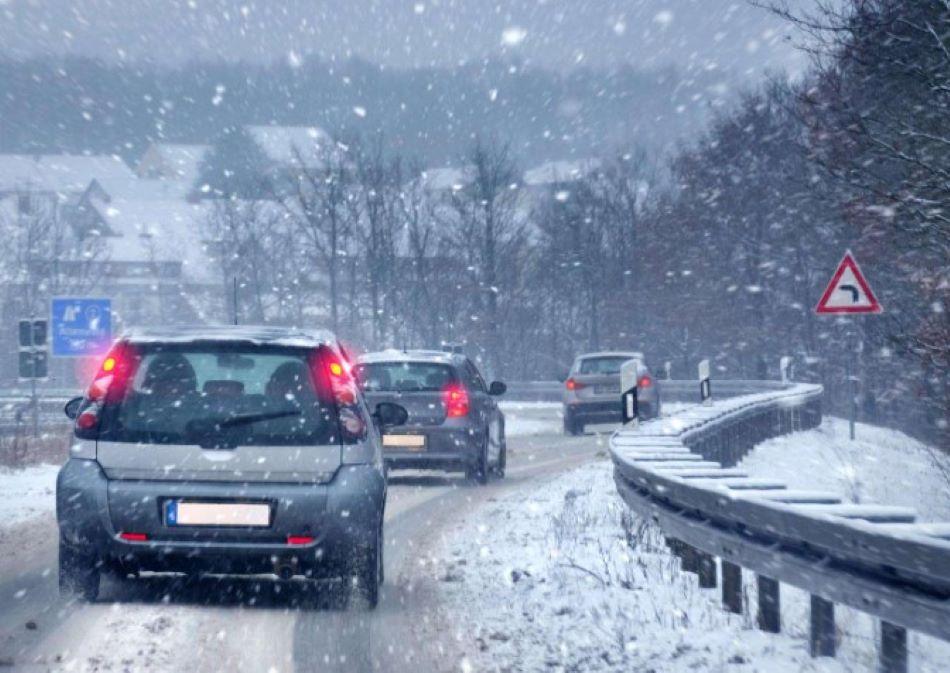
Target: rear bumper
[
  {"x": 446, "y": 448},
  {"x": 340, "y": 516},
  {"x": 606, "y": 411}
]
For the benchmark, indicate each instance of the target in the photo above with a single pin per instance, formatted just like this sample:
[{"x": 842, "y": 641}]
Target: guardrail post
[
  {"x": 893, "y": 648},
  {"x": 821, "y": 641},
  {"x": 707, "y": 570},
  {"x": 732, "y": 587},
  {"x": 689, "y": 559},
  {"x": 769, "y": 617}
]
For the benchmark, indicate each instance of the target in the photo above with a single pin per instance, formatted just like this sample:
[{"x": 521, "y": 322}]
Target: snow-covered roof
[
  {"x": 61, "y": 173},
  {"x": 444, "y": 179},
  {"x": 282, "y": 144},
  {"x": 560, "y": 171},
  {"x": 254, "y": 334},
  {"x": 172, "y": 161},
  {"x": 159, "y": 231},
  {"x": 396, "y": 355}
]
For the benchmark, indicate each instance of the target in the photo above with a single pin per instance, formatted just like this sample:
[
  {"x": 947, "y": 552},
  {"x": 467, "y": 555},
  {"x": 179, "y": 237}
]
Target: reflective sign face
[
  {"x": 81, "y": 326},
  {"x": 848, "y": 291}
]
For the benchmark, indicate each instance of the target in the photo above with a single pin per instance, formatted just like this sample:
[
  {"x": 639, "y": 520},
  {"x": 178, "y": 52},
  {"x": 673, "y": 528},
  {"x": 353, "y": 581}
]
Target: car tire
[
  {"x": 479, "y": 471},
  {"x": 366, "y": 573},
  {"x": 79, "y": 573},
  {"x": 572, "y": 426},
  {"x": 502, "y": 459}
]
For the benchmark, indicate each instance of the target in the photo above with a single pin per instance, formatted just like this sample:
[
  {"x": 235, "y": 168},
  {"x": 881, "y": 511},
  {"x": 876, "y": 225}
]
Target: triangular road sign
[{"x": 848, "y": 291}]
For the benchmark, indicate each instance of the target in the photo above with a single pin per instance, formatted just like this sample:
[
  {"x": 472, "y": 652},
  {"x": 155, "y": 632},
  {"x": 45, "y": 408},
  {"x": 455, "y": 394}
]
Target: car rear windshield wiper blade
[{"x": 248, "y": 419}]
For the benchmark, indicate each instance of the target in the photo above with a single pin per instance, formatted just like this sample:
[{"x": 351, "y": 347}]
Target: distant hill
[{"x": 75, "y": 105}]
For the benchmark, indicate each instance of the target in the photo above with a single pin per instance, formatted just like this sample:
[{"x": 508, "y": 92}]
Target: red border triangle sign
[{"x": 848, "y": 291}]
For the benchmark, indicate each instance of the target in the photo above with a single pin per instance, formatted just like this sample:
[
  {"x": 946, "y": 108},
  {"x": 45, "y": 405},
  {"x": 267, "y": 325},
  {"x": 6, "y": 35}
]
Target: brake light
[
  {"x": 300, "y": 539},
  {"x": 645, "y": 381},
  {"x": 455, "y": 397},
  {"x": 112, "y": 380},
  {"x": 88, "y": 419},
  {"x": 134, "y": 537},
  {"x": 332, "y": 375},
  {"x": 571, "y": 384}
]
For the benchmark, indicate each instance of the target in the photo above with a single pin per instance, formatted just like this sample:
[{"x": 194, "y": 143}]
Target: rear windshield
[
  {"x": 404, "y": 376},
  {"x": 603, "y": 365},
  {"x": 250, "y": 396}
]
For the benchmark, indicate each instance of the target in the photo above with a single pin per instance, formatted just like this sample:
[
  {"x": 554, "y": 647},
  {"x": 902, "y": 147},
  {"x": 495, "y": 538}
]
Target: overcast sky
[{"x": 726, "y": 34}]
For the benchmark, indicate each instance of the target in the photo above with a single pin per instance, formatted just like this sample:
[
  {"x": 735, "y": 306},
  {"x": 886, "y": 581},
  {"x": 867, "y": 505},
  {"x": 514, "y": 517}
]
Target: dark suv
[
  {"x": 231, "y": 450},
  {"x": 454, "y": 421}
]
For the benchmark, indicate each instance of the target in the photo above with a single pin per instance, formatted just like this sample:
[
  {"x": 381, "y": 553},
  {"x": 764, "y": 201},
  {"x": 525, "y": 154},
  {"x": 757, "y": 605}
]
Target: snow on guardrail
[{"x": 680, "y": 472}]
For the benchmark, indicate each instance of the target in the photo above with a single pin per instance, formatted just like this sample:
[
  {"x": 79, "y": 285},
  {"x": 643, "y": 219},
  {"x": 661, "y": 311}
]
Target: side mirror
[
  {"x": 497, "y": 388},
  {"x": 389, "y": 414},
  {"x": 72, "y": 408}
]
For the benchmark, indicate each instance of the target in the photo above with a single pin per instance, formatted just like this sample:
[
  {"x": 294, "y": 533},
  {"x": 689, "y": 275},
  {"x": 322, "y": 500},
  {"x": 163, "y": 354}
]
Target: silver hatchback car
[
  {"x": 226, "y": 450},
  {"x": 592, "y": 390}
]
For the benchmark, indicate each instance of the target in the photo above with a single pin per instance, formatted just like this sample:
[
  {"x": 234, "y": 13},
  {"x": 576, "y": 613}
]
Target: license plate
[
  {"x": 605, "y": 389},
  {"x": 182, "y": 513},
  {"x": 408, "y": 442}
]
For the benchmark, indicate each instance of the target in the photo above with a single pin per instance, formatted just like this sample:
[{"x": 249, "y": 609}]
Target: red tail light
[
  {"x": 112, "y": 380},
  {"x": 455, "y": 397},
  {"x": 331, "y": 376},
  {"x": 645, "y": 381},
  {"x": 300, "y": 539},
  {"x": 571, "y": 384},
  {"x": 134, "y": 537}
]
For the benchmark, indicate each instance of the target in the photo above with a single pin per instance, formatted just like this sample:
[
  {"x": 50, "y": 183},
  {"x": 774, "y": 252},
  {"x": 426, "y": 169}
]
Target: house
[
  {"x": 170, "y": 161},
  {"x": 48, "y": 182},
  {"x": 292, "y": 146}
]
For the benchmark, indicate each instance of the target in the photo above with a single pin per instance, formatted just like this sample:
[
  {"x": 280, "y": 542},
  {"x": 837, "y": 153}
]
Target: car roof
[
  {"x": 268, "y": 335},
  {"x": 611, "y": 354},
  {"x": 412, "y": 355}
]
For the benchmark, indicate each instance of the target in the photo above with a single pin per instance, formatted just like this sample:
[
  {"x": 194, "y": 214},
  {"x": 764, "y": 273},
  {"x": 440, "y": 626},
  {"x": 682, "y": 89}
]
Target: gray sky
[{"x": 725, "y": 34}]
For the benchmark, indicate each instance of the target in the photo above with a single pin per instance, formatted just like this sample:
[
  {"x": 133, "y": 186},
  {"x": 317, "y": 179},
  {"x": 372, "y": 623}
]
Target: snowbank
[
  {"x": 564, "y": 578},
  {"x": 882, "y": 466},
  {"x": 27, "y": 493}
]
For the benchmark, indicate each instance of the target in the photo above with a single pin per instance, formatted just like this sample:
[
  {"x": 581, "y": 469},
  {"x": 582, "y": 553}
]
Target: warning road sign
[{"x": 848, "y": 291}]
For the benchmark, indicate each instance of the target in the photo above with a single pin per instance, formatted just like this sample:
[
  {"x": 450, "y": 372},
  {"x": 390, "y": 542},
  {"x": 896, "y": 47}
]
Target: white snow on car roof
[
  {"x": 254, "y": 334},
  {"x": 611, "y": 354},
  {"x": 394, "y": 355}
]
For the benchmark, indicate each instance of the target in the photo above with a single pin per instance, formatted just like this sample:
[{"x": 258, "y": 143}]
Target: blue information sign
[{"x": 80, "y": 326}]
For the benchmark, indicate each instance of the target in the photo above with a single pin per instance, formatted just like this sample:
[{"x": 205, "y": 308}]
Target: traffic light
[
  {"x": 33, "y": 359},
  {"x": 39, "y": 333}
]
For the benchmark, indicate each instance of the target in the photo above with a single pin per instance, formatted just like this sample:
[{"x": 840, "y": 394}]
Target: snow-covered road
[
  {"x": 544, "y": 570},
  {"x": 213, "y": 624}
]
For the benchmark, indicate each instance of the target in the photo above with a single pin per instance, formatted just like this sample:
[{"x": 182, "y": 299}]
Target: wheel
[
  {"x": 479, "y": 471},
  {"x": 572, "y": 426},
  {"x": 366, "y": 572},
  {"x": 79, "y": 573},
  {"x": 502, "y": 456}
]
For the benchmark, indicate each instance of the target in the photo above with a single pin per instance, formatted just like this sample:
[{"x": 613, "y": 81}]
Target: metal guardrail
[
  {"x": 675, "y": 390},
  {"x": 679, "y": 472}
]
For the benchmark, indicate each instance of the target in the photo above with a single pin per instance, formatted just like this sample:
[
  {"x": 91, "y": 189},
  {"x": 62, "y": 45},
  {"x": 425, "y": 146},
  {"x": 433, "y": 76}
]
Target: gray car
[
  {"x": 592, "y": 390},
  {"x": 225, "y": 450},
  {"x": 454, "y": 421}
]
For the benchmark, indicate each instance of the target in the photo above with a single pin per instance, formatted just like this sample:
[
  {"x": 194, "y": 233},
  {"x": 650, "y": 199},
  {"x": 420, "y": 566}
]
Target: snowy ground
[
  {"x": 561, "y": 578},
  {"x": 26, "y": 493},
  {"x": 881, "y": 466}
]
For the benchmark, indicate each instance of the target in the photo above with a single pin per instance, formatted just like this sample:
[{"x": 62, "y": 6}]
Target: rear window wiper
[{"x": 248, "y": 419}]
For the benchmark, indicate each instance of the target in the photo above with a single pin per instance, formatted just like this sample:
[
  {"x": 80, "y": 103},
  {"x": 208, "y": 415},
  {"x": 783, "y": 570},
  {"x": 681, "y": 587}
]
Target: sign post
[
  {"x": 630, "y": 404},
  {"x": 705, "y": 386},
  {"x": 849, "y": 293}
]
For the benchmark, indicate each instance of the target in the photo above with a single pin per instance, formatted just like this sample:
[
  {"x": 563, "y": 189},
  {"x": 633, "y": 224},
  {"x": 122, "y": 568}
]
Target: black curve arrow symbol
[{"x": 853, "y": 290}]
